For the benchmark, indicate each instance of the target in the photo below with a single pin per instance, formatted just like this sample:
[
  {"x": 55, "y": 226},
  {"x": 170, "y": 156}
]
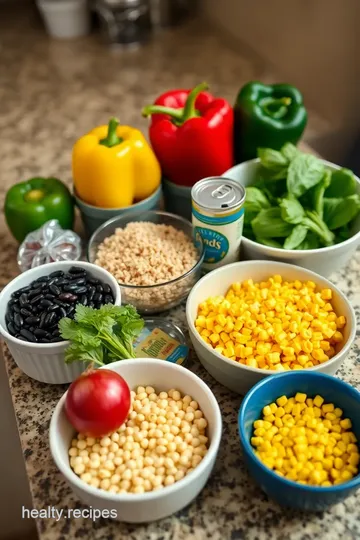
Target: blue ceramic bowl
[
  {"x": 93, "y": 217},
  {"x": 283, "y": 491}
]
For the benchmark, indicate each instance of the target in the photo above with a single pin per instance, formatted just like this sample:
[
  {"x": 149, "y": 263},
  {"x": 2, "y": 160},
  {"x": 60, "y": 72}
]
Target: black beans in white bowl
[
  {"x": 34, "y": 311},
  {"x": 32, "y": 304}
]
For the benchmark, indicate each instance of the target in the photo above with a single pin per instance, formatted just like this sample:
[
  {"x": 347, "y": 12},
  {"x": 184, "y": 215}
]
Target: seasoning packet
[
  {"x": 48, "y": 244},
  {"x": 162, "y": 339}
]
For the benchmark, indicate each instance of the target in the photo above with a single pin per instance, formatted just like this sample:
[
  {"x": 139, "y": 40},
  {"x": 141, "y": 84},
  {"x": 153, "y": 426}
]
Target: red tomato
[{"x": 98, "y": 402}]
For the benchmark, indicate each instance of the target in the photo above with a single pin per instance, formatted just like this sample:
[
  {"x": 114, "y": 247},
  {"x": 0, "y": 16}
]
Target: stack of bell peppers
[{"x": 195, "y": 135}]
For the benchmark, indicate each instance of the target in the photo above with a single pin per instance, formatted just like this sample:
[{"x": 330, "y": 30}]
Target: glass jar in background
[{"x": 124, "y": 22}]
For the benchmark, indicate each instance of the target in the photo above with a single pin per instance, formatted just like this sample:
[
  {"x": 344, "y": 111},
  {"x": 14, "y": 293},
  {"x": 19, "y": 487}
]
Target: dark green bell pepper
[
  {"x": 267, "y": 116},
  {"x": 30, "y": 204}
]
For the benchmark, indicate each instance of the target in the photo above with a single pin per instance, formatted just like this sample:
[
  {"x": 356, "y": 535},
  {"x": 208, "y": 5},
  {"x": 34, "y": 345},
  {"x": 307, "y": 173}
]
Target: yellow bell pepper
[{"x": 114, "y": 166}]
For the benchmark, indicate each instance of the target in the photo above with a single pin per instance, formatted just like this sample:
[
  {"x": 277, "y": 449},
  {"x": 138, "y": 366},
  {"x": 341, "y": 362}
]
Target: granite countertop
[{"x": 51, "y": 92}]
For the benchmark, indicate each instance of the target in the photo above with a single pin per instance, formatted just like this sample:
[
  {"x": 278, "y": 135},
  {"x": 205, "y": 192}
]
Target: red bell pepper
[{"x": 191, "y": 133}]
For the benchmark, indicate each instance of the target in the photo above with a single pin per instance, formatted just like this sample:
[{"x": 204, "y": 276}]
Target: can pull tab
[{"x": 224, "y": 192}]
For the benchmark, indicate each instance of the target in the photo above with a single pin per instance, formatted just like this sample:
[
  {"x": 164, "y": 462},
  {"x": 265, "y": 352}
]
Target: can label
[
  {"x": 219, "y": 230},
  {"x": 158, "y": 344}
]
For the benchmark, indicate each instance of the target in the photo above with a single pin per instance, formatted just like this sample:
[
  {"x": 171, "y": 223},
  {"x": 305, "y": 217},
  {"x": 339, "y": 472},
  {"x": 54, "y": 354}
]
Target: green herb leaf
[
  {"x": 311, "y": 241},
  {"x": 305, "y": 171},
  {"x": 291, "y": 211},
  {"x": 339, "y": 212},
  {"x": 342, "y": 184},
  {"x": 296, "y": 236},
  {"x": 76, "y": 352},
  {"x": 101, "y": 335},
  {"x": 255, "y": 201},
  {"x": 315, "y": 224},
  {"x": 317, "y": 193},
  {"x": 289, "y": 151},
  {"x": 269, "y": 242},
  {"x": 274, "y": 161},
  {"x": 269, "y": 224}
]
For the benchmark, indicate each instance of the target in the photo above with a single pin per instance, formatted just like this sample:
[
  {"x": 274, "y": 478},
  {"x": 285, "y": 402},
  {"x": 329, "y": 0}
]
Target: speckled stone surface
[
  {"x": 230, "y": 507},
  {"x": 50, "y": 93}
]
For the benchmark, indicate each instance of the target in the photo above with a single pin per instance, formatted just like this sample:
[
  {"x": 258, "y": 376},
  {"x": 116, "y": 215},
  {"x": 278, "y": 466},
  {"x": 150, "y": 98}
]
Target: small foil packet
[
  {"x": 48, "y": 244},
  {"x": 162, "y": 339}
]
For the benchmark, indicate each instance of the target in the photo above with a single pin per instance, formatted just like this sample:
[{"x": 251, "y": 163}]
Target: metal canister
[{"x": 218, "y": 217}]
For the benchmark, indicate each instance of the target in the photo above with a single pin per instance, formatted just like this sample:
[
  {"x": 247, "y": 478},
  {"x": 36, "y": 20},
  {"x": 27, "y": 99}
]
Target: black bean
[
  {"x": 12, "y": 329},
  {"x": 99, "y": 288},
  {"x": 49, "y": 319},
  {"x": 22, "y": 290},
  {"x": 80, "y": 290},
  {"x": 19, "y": 336},
  {"x": 58, "y": 273},
  {"x": 70, "y": 311},
  {"x": 42, "y": 319},
  {"x": 8, "y": 318},
  {"x": 91, "y": 293},
  {"x": 108, "y": 299},
  {"x": 70, "y": 287},
  {"x": 36, "y": 299},
  {"x": 98, "y": 298},
  {"x": 28, "y": 335},
  {"x": 84, "y": 300},
  {"x": 55, "y": 289},
  {"x": 56, "y": 332},
  {"x": 78, "y": 281},
  {"x": 91, "y": 304},
  {"x": 44, "y": 340},
  {"x": 43, "y": 278},
  {"x": 65, "y": 297},
  {"x": 33, "y": 293},
  {"x": 93, "y": 281},
  {"x": 19, "y": 321},
  {"x": 107, "y": 289},
  {"x": 39, "y": 285},
  {"x": 31, "y": 328},
  {"x": 39, "y": 332},
  {"x": 25, "y": 312},
  {"x": 49, "y": 296},
  {"x": 58, "y": 302},
  {"x": 63, "y": 311},
  {"x": 32, "y": 320},
  {"x": 45, "y": 303},
  {"x": 23, "y": 299},
  {"x": 55, "y": 339},
  {"x": 53, "y": 307},
  {"x": 16, "y": 308},
  {"x": 77, "y": 270}
]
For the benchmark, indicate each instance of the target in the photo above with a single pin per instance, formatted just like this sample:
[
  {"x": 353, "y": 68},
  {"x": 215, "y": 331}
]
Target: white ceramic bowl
[
  {"x": 45, "y": 362},
  {"x": 233, "y": 375},
  {"x": 154, "y": 505},
  {"x": 324, "y": 261}
]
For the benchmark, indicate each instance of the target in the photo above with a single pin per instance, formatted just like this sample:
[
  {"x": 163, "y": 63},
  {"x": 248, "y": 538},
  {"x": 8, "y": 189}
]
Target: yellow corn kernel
[
  {"x": 337, "y": 337},
  {"x": 225, "y": 337},
  {"x": 281, "y": 401},
  {"x": 214, "y": 338},
  {"x": 221, "y": 319},
  {"x": 328, "y": 407},
  {"x": 346, "y": 423},
  {"x": 354, "y": 459},
  {"x": 300, "y": 398},
  {"x": 278, "y": 423},
  {"x": 251, "y": 362},
  {"x": 341, "y": 321}
]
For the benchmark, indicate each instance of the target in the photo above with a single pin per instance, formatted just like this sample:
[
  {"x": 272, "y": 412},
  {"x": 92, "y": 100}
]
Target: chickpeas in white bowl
[{"x": 144, "y": 472}]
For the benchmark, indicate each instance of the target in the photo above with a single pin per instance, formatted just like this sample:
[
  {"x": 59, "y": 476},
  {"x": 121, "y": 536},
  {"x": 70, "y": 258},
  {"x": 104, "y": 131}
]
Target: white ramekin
[
  {"x": 238, "y": 377},
  {"x": 45, "y": 362},
  {"x": 153, "y": 505}
]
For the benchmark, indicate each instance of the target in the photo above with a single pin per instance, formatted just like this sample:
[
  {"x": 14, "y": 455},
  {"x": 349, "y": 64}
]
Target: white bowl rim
[
  {"x": 60, "y": 345},
  {"x": 279, "y": 251},
  {"x": 280, "y": 265},
  {"x": 151, "y": 495}
]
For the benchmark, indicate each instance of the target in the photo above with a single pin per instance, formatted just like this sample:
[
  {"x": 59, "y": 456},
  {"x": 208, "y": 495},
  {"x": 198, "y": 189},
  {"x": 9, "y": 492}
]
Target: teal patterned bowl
[{"x": 92, "y": 216}]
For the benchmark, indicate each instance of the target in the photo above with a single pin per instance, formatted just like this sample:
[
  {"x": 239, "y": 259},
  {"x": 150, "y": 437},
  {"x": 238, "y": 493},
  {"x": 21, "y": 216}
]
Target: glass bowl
[{"x": 151, "y": 298}]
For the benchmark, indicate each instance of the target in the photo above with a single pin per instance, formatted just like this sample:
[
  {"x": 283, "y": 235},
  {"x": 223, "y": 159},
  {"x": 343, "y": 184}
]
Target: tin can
[{"x": 218, "y": 217}]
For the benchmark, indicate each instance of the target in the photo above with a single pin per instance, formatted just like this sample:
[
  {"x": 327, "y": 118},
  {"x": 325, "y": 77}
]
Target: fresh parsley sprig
[{"x": 101, "y": 336}]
